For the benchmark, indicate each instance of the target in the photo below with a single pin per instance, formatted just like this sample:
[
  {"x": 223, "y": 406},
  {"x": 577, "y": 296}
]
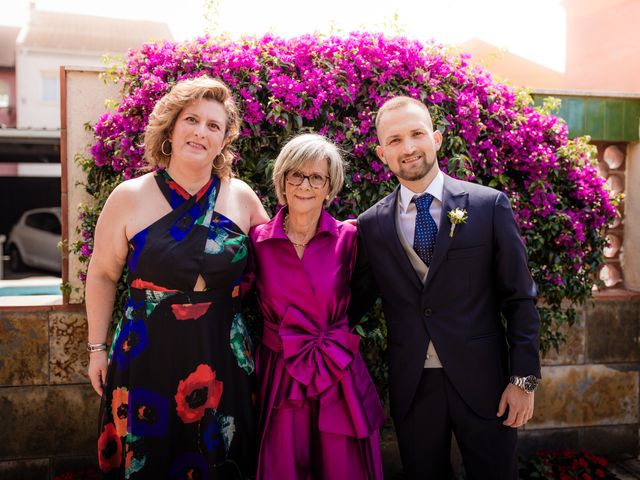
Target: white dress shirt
[{"x": 407, "y": 209}]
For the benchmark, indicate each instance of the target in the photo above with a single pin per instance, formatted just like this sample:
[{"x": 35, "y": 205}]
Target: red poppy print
[
  {"x": 199, "y": 391},
  {"x": 145, "y": 285},
  {"x": 109, "y": 449},
  {"x": 119, "y": 410},
  {"x": 189, "y": 311}
]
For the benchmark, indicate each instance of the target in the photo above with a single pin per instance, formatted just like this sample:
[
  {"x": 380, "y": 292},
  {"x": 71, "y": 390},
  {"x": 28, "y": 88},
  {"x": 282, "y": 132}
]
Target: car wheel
[{"x": 15, "y": 260}]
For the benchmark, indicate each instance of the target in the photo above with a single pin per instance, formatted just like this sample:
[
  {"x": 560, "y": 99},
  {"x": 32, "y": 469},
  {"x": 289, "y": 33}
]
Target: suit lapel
[
  {"x": 454, "y": 196},
  {"x": 386, "y": 216}
]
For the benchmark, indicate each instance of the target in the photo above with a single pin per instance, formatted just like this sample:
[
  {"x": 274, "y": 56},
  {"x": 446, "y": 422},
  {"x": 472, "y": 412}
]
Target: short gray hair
[{"x": 306, "y": 148}]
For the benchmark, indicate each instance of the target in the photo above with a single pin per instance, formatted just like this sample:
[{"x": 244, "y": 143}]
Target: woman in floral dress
[{"x": 177, "y": 382}]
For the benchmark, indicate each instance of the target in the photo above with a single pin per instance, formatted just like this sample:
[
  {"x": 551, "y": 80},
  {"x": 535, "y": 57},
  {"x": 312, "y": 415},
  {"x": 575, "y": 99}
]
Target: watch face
[{"x": 530, "y": 383}]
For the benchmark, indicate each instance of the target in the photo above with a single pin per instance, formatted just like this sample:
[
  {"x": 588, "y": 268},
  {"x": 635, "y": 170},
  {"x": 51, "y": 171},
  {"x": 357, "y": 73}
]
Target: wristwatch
[{"x": 528, "y": 383}]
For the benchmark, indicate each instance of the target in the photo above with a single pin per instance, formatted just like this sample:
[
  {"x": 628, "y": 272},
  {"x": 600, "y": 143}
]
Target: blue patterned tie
[{"x": 424, "y": 241}]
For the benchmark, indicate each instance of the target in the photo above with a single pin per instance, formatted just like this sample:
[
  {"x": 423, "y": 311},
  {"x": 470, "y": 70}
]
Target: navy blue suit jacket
[{"x": 476, "y": 279}]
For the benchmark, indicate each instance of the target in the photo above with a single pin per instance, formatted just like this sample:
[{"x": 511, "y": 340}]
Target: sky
[{"x": 534, "y": 29}]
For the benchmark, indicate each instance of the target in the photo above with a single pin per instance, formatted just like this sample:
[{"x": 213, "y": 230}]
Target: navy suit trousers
[{"x": 424, "y": 436}]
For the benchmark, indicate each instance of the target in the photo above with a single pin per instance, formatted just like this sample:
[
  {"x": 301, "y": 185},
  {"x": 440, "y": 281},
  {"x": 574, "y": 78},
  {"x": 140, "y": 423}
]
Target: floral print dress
[{"x": 178, "y": 399}]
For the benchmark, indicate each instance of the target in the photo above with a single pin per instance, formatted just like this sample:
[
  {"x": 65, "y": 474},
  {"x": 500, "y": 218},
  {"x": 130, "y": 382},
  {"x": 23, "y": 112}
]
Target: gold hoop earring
[
  {"x": 216, "y": 167},
  {"x": 162, "y": 147}
]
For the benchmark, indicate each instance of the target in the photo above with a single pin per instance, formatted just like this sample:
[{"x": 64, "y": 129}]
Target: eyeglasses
[{"x": 315, "y": 180}]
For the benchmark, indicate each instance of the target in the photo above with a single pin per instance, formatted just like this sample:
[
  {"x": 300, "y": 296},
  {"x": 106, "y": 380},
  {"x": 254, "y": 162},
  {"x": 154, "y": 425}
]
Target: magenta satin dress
[{"x": 319, "y": 410}]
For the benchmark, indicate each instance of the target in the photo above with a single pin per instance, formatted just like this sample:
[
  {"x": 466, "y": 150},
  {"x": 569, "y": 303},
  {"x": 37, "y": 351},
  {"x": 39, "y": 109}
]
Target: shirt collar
[
  {"x": 435, "y": 188},
  {"x": 275, "y": 227}
]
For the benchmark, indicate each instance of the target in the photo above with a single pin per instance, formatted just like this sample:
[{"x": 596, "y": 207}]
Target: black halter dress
[{"x": 178, "y": 400}]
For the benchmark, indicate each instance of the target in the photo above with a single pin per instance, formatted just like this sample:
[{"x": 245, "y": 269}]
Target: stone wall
[
  {"x": 48, "y": 408},
  {"x": 589, "y": 396}
]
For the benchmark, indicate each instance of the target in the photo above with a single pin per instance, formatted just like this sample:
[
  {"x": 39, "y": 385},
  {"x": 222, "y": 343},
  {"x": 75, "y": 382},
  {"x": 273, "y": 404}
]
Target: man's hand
[{"x": 520, "y": 404}]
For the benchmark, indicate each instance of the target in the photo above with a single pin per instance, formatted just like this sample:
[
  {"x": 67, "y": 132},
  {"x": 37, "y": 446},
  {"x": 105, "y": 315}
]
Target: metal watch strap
[{"x": 527, "y": 384}]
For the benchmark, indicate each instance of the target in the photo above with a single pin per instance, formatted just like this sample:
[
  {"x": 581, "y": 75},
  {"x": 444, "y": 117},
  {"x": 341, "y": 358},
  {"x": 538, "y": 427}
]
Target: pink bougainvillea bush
[{"x": 333, "y": 85}]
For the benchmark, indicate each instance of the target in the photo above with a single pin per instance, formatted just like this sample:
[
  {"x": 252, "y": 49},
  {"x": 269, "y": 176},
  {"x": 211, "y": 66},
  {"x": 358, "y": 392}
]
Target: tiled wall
[
  {"x": 589, "y": 396},
  {"x": 602, "y": 118},
  {"x": 48, "y": 410}
]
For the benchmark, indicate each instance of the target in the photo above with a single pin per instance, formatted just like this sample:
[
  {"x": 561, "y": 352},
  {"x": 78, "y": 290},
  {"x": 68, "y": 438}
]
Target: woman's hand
[{"x": 98, "y": 370}]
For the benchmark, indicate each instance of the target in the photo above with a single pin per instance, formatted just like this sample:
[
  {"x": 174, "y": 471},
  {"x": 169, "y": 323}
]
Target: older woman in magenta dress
[{"x": 319, "y": 410}]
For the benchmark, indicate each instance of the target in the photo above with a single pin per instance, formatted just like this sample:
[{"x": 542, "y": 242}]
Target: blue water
[{"x": 30, "y": 290}]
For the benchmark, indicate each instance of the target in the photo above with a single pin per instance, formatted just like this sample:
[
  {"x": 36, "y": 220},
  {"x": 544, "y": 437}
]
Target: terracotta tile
[
  {"x": 613, "y": 332},
  {"x": 28, "y": 469},
  {"x": 573, "y": 396},
  {"x": 47, "y": 421},
  {"x": 605, "y": 440},
  {"x": 68, "y": 336},
  {"x": 572, "y": 352},
  {"x": 24, "y": 348}
]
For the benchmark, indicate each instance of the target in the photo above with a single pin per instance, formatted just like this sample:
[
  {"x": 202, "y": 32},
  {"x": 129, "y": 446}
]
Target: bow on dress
[
  {"x": 316, "y": 358},
  {"x": 327, "y": 364}
]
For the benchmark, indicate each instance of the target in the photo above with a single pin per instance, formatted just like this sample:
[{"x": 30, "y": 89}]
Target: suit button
[{"x": 427, "y": 312}]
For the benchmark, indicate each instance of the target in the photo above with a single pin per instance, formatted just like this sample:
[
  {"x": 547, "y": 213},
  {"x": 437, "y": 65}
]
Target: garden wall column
[
  {"x": 85, "y": 95},
  {"x": 631, "y": 256}
]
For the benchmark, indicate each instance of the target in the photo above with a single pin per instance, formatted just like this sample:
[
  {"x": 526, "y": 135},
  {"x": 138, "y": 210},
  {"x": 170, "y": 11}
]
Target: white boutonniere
[{"x": 456, "y": 216}]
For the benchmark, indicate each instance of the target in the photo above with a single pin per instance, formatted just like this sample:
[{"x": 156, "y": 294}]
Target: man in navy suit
[{"x": 459, "y": 301}]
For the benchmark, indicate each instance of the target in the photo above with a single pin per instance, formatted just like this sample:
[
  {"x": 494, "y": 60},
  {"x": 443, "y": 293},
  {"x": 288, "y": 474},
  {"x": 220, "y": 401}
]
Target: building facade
[{"x": 30, "y": 61}]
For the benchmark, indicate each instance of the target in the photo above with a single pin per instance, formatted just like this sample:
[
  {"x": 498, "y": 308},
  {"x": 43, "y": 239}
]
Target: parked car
[{"x": 33, "y": 241}]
